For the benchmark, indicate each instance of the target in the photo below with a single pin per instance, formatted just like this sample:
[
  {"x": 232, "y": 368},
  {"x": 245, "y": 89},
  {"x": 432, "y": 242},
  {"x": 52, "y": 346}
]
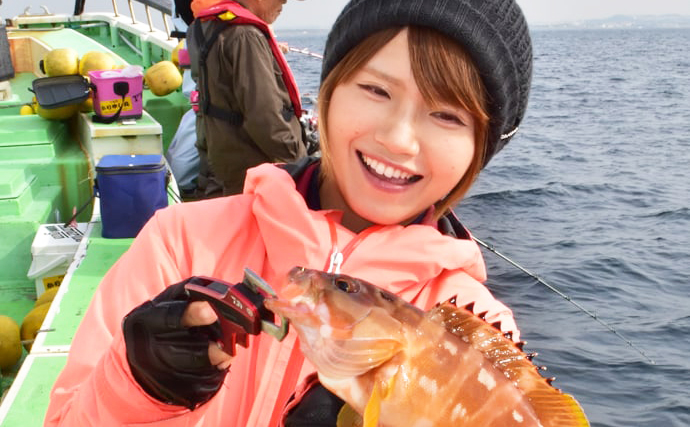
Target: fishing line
[{"x": 565, "y": 297}]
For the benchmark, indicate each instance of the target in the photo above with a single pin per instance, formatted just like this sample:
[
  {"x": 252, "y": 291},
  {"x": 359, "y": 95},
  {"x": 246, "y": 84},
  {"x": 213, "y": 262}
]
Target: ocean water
[{"x": 593, "y": 196}]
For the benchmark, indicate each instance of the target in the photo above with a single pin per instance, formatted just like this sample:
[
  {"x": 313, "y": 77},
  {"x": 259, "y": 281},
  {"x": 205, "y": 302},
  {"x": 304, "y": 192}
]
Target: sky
[
  {"x": 536, "y": 11},
  {"x": 322, "y": 13}
]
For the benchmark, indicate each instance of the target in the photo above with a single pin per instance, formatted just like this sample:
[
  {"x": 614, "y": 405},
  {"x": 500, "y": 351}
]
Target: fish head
[{"x": 345, "y": 325}]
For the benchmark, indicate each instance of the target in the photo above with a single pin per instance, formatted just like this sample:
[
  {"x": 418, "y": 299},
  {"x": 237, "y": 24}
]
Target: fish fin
[
  {"x": 373, "y": 408},
  {"x": 348, "y": 417},
  {"x": 357, "y": 356},
  {"x": 556, "y": 408},
  {"x": 380, "y": 392},
  {"x": 552, "y": 406},
  {"x": 389, "y": 386}
]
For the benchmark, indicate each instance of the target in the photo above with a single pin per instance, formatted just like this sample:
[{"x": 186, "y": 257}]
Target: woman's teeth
[{"x": 385, "y": 170}]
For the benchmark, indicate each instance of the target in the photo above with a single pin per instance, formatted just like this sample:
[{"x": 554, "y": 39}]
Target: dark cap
[{"x": 493, "y": 32}]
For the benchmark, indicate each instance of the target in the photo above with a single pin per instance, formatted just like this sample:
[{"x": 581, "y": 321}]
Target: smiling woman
[
  {"x": 390, "y": 145},
  {"x": 406, "y": 146},
  {"x": 416, "y": 97}
]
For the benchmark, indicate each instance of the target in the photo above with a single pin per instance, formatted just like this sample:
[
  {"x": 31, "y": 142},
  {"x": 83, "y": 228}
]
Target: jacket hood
[{"x": 399, "y": 258}]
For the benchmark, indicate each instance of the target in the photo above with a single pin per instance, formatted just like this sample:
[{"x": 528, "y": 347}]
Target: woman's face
[{"x": 393, "y": 155}]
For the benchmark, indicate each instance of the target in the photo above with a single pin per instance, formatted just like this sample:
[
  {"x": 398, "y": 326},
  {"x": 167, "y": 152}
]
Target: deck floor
[
  {"x": 27, "y": 399},
  {"x": 48, "y": 168}
]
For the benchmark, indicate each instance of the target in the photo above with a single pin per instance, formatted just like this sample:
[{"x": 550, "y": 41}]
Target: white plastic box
[{"x": 52, "y": 252}]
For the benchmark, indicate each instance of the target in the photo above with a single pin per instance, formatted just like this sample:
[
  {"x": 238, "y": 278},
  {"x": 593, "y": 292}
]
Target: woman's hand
[
  {"x": 172, "y": 348},
  {"x": 200, "y": 313}
]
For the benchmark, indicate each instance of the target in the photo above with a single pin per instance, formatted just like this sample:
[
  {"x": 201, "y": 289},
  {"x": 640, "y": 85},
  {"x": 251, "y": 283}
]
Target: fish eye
[{"x": 346, "y": 286}]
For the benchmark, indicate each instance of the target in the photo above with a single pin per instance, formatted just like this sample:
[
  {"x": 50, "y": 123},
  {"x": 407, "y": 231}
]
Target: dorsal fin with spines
[{"x": 553, "y": 407}]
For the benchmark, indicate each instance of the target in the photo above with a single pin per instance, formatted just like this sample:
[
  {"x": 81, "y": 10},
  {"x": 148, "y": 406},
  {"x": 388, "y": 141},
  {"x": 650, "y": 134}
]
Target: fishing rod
[
  {"x": 565, "y": 297},
  {"x": 305, "y": 51}
]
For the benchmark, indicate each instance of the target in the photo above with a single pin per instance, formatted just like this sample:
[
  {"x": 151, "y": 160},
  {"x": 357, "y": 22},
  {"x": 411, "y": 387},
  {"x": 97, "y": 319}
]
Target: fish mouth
[
  {"x": 294, "y": 309},
  {"x": 298, "y": 287},
  {"x": 293, "y": 292},
  {"x": 332, "y": 329},
  {"x": 297, "y": 301},
  {"x": 307, "y": 294},
  {"x": 304, "y": 302}
]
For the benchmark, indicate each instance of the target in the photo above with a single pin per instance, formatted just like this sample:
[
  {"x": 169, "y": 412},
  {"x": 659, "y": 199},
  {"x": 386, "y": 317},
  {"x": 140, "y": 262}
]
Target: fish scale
[
  {"x": 467, "y": 389},
  {"x": 398, "y": 365}
]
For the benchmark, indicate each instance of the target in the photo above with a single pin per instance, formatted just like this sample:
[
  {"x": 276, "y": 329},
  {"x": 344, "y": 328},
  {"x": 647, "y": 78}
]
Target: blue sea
[{"x": 593, "y": 197}]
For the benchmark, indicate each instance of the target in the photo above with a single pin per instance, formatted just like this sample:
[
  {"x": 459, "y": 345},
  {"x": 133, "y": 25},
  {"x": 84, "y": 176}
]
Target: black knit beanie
[{"x": 493, "y": 32}]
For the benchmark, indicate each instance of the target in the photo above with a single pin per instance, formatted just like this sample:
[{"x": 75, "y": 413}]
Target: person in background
[
  {"x": 182, "y": 154},
  {"x": 248, "y": 102},
  {"x": 416, "y": 97}
]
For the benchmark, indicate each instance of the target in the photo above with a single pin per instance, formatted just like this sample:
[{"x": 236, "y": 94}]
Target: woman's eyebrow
[{"x": 382, "y": 75}]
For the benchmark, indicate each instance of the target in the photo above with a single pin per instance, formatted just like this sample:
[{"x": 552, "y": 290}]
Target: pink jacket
[{"x": 268, "y": 229}]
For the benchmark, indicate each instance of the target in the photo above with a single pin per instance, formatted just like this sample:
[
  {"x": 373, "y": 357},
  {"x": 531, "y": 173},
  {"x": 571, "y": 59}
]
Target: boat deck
[
  {"x": 37, "y": 158},
  {"x": 25, "y": 403},
  {"x": 47, "y": 170}
]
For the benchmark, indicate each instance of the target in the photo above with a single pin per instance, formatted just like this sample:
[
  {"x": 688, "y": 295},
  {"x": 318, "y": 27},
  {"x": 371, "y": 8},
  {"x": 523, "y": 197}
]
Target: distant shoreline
[
  {"x": 620, "y": 22},
  {"x": 616, "y": 22}
]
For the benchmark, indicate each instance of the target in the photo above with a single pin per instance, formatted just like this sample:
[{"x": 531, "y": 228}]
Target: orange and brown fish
[{"x": 399, "y": 366}]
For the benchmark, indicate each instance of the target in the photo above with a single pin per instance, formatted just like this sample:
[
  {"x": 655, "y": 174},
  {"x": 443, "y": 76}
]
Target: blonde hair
[{"x": 444, "y": 73}]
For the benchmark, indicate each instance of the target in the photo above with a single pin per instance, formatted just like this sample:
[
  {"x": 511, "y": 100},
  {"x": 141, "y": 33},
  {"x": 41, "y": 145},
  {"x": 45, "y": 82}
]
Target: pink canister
[{"x": 117, "y": 94}]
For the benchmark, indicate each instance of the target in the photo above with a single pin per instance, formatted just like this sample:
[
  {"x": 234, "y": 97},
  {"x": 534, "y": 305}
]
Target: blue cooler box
[{"x": 131, "y": 188}]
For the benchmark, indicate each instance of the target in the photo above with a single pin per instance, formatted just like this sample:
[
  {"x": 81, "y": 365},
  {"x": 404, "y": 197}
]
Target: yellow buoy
[
  {"x": 175, "y": 54},
  {"x": 26, "y": 110},
  {"x": 10, "y": 342},
  {"x": 163, "y": 78},
  {"x": 47, "y": 296},
  {"x": 59, "y": 113},
  {"x": 86, "y": 106},
  {"x": 32, "y": 323},
  {"x": 61, "y": 62},
  {"x": 95, "y": 60}
]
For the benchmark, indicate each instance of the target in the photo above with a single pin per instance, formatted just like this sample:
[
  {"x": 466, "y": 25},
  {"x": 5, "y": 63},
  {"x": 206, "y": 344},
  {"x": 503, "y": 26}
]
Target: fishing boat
[{"x": 47, "y": 174}]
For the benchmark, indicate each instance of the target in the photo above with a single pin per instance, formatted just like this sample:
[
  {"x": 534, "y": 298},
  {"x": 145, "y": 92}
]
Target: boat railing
[{"x": 165, "y": 7}]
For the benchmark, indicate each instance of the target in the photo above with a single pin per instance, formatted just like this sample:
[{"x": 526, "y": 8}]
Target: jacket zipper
[{"x": 337, "y": 258}]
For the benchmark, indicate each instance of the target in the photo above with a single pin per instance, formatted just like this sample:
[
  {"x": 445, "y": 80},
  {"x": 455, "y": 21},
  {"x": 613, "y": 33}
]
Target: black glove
[
  {"x": 168, "y": 360},
  {"x": 318, "y": 408}
]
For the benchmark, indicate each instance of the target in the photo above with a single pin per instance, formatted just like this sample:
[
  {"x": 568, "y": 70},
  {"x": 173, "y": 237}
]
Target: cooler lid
[
  {"x": 139, "y": 161},
  {"x": 58, "y": 91}
]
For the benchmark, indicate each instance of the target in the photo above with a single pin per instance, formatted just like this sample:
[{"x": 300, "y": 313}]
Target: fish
[{"x": 397, "y": 365}]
